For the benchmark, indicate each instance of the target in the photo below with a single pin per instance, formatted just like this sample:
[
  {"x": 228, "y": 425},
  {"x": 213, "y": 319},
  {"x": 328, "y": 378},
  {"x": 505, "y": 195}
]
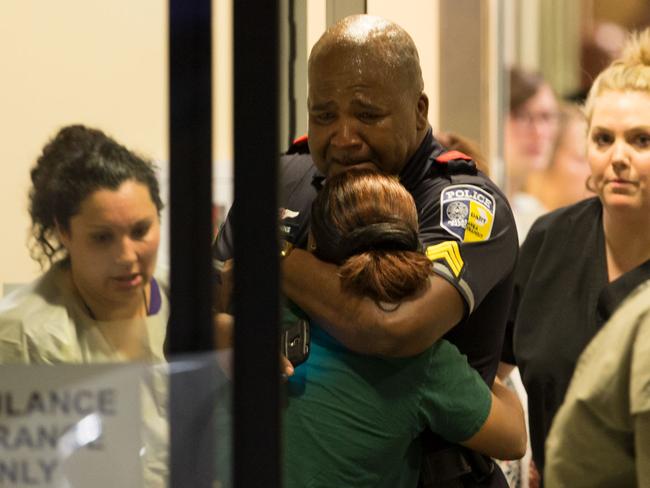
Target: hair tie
[{"x": 385, "y": 236}]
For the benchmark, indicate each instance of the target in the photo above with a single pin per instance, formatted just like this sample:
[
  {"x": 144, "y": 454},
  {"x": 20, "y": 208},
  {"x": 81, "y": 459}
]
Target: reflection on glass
[{"x": 95, "y": 209}]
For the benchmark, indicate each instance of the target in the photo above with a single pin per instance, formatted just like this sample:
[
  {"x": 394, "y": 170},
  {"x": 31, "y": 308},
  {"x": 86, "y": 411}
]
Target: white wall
[
  {"x": 105, "y": 64},
  {"x": 420, "y": 19},
  {"x": 222, "y": 117},
  {"x": 101, "y": 63}
]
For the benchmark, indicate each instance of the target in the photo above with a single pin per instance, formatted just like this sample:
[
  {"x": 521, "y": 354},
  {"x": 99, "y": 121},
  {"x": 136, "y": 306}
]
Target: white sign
[{"x": 70, "y": 426}]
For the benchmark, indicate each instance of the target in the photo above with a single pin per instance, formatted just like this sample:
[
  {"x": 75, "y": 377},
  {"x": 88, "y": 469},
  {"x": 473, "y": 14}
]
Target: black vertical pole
[
  {"x": 190, "y": 125},
  {"x": 291, "y": 96},
  {"x": 190, "y": 327},
  {"x": 257, "y": 372}
]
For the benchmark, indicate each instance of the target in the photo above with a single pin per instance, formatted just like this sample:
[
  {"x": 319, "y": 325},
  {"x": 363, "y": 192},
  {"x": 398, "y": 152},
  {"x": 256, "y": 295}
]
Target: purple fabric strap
[{"x": 155, "y": 301}]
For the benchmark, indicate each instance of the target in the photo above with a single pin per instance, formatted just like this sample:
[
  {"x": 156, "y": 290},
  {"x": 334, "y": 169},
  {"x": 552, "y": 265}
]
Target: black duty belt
[{"x": 458, "y": 467}]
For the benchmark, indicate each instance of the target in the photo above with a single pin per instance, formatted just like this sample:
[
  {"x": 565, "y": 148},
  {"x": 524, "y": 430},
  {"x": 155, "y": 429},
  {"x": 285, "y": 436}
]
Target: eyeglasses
[{"x": 539, "y": 118}]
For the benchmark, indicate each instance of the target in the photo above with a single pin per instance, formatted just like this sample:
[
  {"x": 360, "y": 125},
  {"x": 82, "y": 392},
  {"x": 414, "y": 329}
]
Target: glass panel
[
  {"x": 83, "y": 82},
  {"x": 72, "y": 425},
  {"x": 106, "y": 414},
  {"x": 101, "y": 64}
]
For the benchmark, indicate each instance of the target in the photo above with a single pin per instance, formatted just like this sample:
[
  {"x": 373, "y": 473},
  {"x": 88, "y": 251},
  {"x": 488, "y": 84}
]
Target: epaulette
[
  {"x": 300, "y": 145},
  {"x": 456, "y": 162}
]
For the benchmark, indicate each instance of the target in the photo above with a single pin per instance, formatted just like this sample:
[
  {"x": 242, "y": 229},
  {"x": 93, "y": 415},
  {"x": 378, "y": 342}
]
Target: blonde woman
[{"x": 579, "y": 262}]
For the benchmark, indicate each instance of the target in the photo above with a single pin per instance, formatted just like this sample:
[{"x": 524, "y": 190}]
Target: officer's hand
[
  {"x": 286, "y": 367},
  {"x": 223, "y": 324},
  {"x": 223, "y": 336},
  {"x": 223, "y": 289},
  {"x": 223, "y": 339}
]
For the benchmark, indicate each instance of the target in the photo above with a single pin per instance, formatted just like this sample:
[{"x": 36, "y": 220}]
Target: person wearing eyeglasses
[
  {"x": 530, "y": 131},
  {"x": 576, "y": 265}
]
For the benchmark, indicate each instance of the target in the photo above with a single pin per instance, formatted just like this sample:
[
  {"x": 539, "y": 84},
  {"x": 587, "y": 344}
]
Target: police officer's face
[
  {"x": 360, "y": 115},
  {"x": 618, "y": 149}
]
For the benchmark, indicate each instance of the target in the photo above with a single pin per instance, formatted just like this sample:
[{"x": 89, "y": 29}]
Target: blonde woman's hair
[{"x": 631, "y": 72}]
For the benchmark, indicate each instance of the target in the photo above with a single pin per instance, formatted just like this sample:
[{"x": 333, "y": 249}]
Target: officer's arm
[{"x": 358, "y": 322}]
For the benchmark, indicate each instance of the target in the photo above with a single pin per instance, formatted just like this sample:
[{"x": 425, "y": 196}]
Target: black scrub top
[{"x": 561, "y": 299}]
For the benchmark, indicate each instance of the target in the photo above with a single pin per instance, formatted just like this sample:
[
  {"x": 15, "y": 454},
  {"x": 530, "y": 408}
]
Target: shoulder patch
[
  {"x": 447, "y": 156},
  {"x": 299, "y": 145},
  {"x": 449, "y": 252},
  {"x": 467, "y": 212},
  {"x": 300, "y": 140}
]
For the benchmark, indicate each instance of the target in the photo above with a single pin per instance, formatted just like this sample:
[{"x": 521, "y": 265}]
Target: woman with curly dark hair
[{"x": 95, "y": 209}]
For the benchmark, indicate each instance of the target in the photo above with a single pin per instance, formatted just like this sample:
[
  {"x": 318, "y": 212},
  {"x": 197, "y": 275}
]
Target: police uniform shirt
[
  {"x": 468, "y": 232},
  {"x": 466, "y": 227}
]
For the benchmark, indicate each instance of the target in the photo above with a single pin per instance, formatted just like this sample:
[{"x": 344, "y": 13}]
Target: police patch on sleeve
[{"x": 467, "y": 212}]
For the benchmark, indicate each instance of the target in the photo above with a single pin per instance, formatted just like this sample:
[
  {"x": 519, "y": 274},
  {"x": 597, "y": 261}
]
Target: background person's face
[
  {"x": 570, "y": 161},
  {"x": 531, "y": 131},
  {"x": 618, "y": 149},
  {"x": 360, "y": 115},
  {"x": 113, "y": 242}
]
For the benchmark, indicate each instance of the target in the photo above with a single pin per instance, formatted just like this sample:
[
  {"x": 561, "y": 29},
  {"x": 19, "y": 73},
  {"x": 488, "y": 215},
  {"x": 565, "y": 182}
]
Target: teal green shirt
[{"x": 355, "y": 420}]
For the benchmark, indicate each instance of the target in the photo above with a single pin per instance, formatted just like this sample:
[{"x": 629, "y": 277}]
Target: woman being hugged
[
  {"x": 95, "y": 209},
  {"x": 355, "y": 420},
  {"x": 578, "y": 263}
]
